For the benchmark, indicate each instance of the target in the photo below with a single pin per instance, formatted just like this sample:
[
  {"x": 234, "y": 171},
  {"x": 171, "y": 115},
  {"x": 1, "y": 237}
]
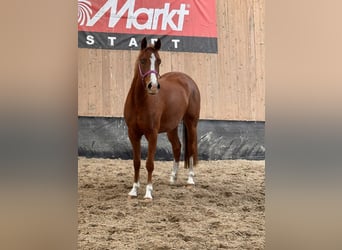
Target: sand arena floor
[{"x": 224, "y": 210}]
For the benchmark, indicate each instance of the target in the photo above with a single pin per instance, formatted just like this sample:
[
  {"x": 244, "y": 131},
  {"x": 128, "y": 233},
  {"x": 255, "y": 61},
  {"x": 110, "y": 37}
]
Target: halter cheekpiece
[{"x": 143, "y": 75}]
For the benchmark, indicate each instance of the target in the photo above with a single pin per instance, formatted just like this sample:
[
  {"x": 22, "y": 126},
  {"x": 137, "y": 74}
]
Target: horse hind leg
[
  {"x": 191, "y": 151},
  {"x": 176, "y": 149},
  {"x": 191, "y": 175}
]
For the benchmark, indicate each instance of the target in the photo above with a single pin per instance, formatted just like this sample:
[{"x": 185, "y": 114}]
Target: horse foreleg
[
  {"x": 174, "y": 171},
  {"x": 134, "y": 190},
  {"x": 135, "y": 141},
  {"x": 152, "y": 146}
]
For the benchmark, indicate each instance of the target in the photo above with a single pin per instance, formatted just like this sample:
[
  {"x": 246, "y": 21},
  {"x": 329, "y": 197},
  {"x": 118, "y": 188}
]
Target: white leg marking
[
  {"x": 153, "y": 75},
  {"x": 191, "y": 175},
  {"x": 149, "y": 190},
  {"x": 134, "y": 190},
  {"x": 173, "y": 176}
]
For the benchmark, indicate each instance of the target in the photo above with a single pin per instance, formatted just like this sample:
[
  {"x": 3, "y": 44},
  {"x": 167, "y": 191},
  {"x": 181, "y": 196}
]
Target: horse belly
[
  {"x": 174, "y": 108},
  {"x": 168, "y": 125},
  {"x": 170, "y": 120}
]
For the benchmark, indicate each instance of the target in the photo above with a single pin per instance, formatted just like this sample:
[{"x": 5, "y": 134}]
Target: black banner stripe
[{"x": 116, "y": 41}]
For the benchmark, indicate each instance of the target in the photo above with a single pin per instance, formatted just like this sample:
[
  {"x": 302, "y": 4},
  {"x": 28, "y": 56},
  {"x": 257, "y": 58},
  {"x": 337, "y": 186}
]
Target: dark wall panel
[{"x": 217, "y": 140}]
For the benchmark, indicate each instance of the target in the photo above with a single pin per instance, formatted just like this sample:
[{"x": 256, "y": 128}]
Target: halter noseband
[{"x": 143, "y": 75}]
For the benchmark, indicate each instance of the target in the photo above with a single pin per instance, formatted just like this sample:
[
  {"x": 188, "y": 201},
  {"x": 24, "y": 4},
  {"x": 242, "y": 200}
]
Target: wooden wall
[{"x": 232, "y": 82}]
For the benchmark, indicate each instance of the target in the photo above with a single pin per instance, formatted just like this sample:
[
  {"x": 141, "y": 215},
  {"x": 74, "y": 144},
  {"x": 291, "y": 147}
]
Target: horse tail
[{"x": 185, "y": 145}]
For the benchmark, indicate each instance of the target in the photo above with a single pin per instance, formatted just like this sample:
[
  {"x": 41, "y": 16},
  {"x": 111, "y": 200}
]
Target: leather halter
[{"x": 143, "y": 75}]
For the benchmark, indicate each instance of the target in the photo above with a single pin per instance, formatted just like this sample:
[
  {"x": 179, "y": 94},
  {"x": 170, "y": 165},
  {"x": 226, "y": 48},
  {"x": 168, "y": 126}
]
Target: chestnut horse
[{"x": 157, "y": 104}]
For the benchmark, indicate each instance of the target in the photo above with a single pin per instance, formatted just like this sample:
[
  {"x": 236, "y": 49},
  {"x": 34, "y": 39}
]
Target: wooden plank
[
  {"x": 107, "y": 94},
  {"x": 94, "y": 77},
  {"x": 82, "y": 82},
  {"x": 259, "y": 19}
]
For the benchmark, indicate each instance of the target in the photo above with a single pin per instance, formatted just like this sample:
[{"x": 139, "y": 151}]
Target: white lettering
[
  {"x": 112, "y": 42},
  {"x": 114, "y": 15},
  {"x": 133, "y": 42},
  {"x": 147, "y": 25},
  {"x": 156, "y": 15},
  {"x": 175, "y": 42},
  {"x": 182, "y": 12},
  {"x": 111, "y": 39},
  {"x": 168, "y": 19},
  {"x": 168, "y": 16},
  {"x": 90, "y": 40}
]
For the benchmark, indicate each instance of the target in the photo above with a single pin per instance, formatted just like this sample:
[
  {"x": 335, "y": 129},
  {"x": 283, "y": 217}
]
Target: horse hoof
[
  {"x": 147, "y": 200},
  {"x": 134, "y": 190},
  {"x": 148, "y": 194},
  {"x": 133, "y": 193},
  {"x": 130, "y": 197},
  {"x": 148, "y": 197},
  {"x": 173, "y": 180},
  {"x": 190, "y": 181}
]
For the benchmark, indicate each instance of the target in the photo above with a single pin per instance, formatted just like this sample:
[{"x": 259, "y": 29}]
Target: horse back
[{"x": 172, "y": 79}]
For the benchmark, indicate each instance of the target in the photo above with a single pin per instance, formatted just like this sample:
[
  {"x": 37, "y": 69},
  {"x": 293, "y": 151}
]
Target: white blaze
[{"x": 153, "y": 75}]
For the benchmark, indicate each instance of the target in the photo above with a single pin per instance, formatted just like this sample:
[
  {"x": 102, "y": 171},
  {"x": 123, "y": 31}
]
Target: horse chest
[{"x": 147, "y": 120}]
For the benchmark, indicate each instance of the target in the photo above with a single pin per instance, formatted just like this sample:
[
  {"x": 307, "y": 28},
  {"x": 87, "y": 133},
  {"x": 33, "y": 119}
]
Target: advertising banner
[{"x": 182, "y": 25}]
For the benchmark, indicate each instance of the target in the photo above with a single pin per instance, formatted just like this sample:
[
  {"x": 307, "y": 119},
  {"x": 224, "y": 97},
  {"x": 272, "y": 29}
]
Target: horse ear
[
  {"x": 143, "y": 43},
  {"x": 157, "y": 44}
]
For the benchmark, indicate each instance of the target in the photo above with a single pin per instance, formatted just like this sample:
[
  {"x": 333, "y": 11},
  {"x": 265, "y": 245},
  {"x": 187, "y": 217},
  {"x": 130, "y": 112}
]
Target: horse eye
[{"x": 142, "y": 61}]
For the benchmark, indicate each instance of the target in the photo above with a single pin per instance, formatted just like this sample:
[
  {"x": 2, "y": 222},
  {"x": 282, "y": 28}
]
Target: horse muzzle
[{"x": 153, "y": 88}]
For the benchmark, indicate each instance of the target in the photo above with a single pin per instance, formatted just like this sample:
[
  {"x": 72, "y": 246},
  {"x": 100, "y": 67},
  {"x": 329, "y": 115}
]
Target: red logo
[{"x": 179, "y": 17}]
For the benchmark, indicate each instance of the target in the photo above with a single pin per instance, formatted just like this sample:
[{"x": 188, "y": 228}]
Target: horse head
[{"x": 148, "y": 64}]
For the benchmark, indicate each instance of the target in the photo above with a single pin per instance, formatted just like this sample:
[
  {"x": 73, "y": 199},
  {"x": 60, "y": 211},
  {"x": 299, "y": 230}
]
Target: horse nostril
[
  {"x": 149, "y": 86},
  {"x": 158, "y": 86}
]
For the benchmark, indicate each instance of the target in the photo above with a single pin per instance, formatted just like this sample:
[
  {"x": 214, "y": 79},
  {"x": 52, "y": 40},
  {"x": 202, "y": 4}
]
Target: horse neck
[{"x": 137, "y": 87}]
